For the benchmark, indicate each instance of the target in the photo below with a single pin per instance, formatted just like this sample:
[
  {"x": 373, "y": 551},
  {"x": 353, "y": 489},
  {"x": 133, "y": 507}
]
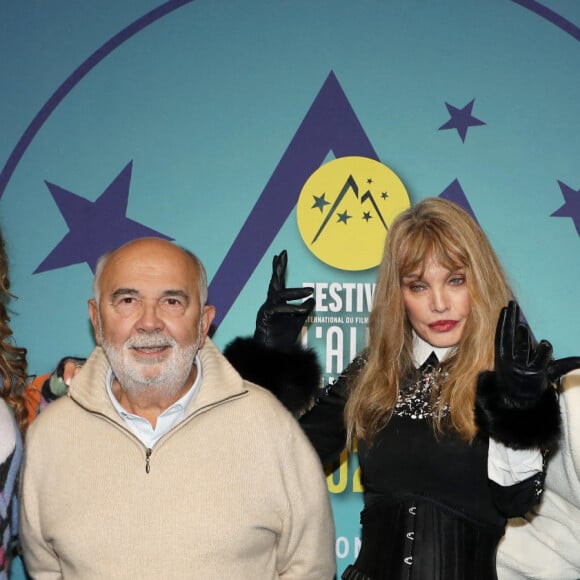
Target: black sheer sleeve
[
  {"x": 324, "y": 423},
  {"x": 518, "y": 499}
]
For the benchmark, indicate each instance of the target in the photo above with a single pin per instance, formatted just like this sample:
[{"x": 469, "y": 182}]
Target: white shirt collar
[
  {"x": 166, "y": 420},
  {"x": 422, "y": 349}
]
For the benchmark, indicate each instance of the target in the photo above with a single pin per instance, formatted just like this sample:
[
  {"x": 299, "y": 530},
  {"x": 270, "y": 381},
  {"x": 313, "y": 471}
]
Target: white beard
[{"x": 137, "y": 378}]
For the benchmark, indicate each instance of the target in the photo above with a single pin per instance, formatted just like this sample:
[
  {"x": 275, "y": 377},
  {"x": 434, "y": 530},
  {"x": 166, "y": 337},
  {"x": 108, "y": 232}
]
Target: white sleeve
[{"x": 508, "y": 466}]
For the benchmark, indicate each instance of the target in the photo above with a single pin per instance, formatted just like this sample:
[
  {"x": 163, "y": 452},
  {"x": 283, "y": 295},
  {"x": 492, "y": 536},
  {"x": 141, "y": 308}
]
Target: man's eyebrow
[
  {"x": 180, "y": 293},
  {"x": 119, "y": 292},
  {"x": 124, "y": 292}
]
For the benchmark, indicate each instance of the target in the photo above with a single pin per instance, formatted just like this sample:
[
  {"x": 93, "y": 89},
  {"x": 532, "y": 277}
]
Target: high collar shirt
[
  {"x": 141, "y": 427},
  {"x": 422, "y": 350}
]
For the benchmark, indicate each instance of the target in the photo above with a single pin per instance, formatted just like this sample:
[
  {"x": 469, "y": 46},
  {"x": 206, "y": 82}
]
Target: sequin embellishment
[{"x": 415, "y": 401}]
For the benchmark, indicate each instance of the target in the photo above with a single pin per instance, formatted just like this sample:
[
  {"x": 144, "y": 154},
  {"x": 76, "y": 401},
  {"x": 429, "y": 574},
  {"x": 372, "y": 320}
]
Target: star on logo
[
  {"x": 571, "y": 207},
  {"x": 461, "y": 119},
  {"x": 367, "y": 216},
  {"x": 94, "y": 227},
  {"x": 320, "y": 202},
  {"x": 343, "y": 217}
]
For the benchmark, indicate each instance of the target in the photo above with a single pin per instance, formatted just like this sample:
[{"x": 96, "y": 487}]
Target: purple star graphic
[
  {"x": 94, "y": 227},
  {"x": 461, "y": 119},
  {"x": 571, "y": 207}
]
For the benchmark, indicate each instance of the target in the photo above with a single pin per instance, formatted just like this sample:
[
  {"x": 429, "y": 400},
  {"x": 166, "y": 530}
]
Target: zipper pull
[{"x": 147, "y": 457}]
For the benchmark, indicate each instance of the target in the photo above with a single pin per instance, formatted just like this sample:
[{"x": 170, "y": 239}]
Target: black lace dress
[{"x": 430, "y": 511}]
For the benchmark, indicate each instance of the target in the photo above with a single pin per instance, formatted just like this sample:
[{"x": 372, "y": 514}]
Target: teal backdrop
[{"x": 200, "y": 121}]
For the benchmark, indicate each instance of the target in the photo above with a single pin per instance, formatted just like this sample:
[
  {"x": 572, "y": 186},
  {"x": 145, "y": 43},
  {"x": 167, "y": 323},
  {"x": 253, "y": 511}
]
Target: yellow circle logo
[{"x": 345, "y": 209}]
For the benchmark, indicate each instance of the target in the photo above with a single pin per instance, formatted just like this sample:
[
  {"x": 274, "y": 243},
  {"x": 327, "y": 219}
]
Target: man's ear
[
  {"x": 94, "y": 315},
  {"x": 207, "y": 316}
]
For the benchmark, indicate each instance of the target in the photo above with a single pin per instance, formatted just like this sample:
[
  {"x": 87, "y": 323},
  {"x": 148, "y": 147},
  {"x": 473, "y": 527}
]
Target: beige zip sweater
[{"x": 234, "y": 491}]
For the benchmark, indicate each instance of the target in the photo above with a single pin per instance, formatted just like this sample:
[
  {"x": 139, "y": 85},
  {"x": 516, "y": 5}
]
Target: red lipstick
[{"x": 443, "y": 325}]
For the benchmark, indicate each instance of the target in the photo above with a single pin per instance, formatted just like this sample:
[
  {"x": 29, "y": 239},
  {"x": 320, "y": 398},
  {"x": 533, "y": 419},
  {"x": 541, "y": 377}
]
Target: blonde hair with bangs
[{"x": 440, "y": 229}]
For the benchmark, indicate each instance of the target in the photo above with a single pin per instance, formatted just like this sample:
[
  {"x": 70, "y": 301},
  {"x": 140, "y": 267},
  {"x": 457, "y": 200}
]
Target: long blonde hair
[{"x": 441, "y": 229}]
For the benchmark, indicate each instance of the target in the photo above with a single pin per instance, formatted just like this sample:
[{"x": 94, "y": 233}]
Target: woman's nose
[{"x": 438, "y": 300}]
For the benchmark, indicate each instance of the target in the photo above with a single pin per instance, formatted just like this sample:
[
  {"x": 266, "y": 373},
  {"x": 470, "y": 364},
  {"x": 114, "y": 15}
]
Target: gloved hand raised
[
  {"x": 516, "y": 403},
  {"x": 278, "y": 323},
  {"x": 523, "y": 370}
]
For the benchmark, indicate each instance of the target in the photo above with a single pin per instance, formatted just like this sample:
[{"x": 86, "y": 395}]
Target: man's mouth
[
  {"x": 154, "y": 347},
  {"x": 151, "y": 350}
]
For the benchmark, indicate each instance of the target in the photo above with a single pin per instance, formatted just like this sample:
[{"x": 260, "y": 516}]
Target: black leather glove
[
  {"x": 278, "y": 324},
  {"x": 525, "y": 371},
  {"x": 516, "y": 403}
]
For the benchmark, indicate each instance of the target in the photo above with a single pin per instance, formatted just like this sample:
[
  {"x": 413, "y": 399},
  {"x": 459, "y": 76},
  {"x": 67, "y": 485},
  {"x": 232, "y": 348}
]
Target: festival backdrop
[{"x": 239, "y": 129}]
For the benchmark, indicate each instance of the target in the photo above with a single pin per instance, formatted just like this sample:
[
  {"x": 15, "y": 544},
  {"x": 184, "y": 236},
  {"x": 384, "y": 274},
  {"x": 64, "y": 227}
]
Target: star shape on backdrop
[
  {"x": 367, "y": 216},
  {"x": 319, "y": 202},
  {"x": 94, "y": 227},
  {"x": 571, "y": 207},
  {"x": 461, "y": 119}
]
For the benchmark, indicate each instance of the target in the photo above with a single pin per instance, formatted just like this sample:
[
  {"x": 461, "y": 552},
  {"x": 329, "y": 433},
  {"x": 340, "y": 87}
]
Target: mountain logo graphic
[{"x": 345, "y": 209}]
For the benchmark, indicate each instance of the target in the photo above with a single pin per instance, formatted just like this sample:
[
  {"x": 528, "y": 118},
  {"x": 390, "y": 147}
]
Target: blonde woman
[{"x": 453, "y": 405}]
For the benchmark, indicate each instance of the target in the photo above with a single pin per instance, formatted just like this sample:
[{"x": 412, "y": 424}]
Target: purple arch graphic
[
  {"x": 75, "y": 77},
  {"x": 79, "y": 73},
  {"x": 318, "y": 134},
  {"x": 551, "y": 16}
]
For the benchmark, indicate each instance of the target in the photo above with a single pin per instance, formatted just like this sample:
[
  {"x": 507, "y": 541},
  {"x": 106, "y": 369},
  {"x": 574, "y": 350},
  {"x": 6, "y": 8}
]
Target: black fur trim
[
  {"x": 533, "y": 425},
  {"x": 293, "y": 376}
]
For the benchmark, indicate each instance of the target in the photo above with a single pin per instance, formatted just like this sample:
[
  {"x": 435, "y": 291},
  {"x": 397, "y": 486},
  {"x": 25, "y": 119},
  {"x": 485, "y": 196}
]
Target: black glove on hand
[
  {"x": 516, "y": 403},
  {"x": 523, "y": 371},
  {"x": 278, "y": 323}
]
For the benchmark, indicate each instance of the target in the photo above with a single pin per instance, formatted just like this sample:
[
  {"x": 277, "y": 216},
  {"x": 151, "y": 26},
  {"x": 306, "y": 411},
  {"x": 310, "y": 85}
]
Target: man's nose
[{"x": 149, "y": 320}]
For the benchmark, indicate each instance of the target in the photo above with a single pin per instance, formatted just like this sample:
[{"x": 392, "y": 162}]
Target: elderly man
[{"x": 163, "y": 462}]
